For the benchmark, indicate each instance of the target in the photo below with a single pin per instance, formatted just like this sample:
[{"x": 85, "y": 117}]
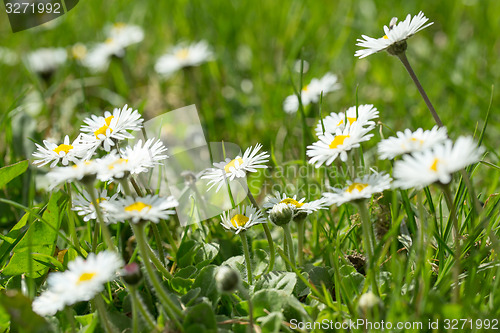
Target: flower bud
[
  {"x": 227, "y": 279},
  {"x": 369, "y": 304},
  {"x": 132, "y": 274},
  {"x": 281, "y": 214}
]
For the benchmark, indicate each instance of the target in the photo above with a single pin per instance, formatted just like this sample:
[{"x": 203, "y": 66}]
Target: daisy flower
[
  {"x": 97, "y": 59},
  {"x": 366, "y": 113},
  {"x": 46, "y": 61},
  {"x": 299, "y": 206},
  {"x": 8, "y": 57},
  {"x": 82, "y": 204},
  {"x": 82, "y": 281},
  {"x": 132, "y": 160},
  {"x": 65, "y": 152},
  {"x": 237, "y": 167},
  {"x": 331, "y": 145},
  {"x": 394, "y": 40},
  {"x": 110, "y": 128},
  {"x": 312, "y": 92},
  {"x": 149, "y": 208},
  {"x": 409, "y": 142},
  {"x": 360, "y": 188},
  {"x": 436, "y": 164},
  {"x": 183, "y": 55},
  {"x": 125, "y": 34},
  {"x": 241, "y": 218},
  {"x": 81, "y": 171}
]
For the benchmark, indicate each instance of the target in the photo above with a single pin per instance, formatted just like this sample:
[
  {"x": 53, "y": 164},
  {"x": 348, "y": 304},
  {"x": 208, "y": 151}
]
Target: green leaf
[
  {"x": 272, "y": 322},
  {"x": 187, "y": 252},
  {"x": 22, "y": 317},
  {"x": 40, "y": 238},
  {"x": 206, "y": 254},
  {"x": 277, "y": 280},
  {"x": 200, "y": 318},
  {"x": 206, "y": 281},
  {"x": 320, "y": 275},
  {"x": 10, "y": 172},
  {"x": 13, "y": 237}
]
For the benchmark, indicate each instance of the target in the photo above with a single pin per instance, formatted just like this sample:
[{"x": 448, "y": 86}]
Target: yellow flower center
[
  {"x": 349, "y": 119},
  {"x": 64, "y": 148},
  {"x": 79, "y": 51},
  {"x": 337, "y": 141},
  {"x": 86, "y": 277},
  {"x": 385, "y": 37},
  {"x": 182, "y": 54},
  {"x": 109, "y": 41},
  {"x": 239, "y": 220},
  {"x": 119, "y": 25},
  {"x": 305, "y": 88},
  {"x": 118, "y": 161},
  {"x": 292, "y": 202},
  {"x": 233, "y": 163},
  {"x": 356, "y": 186},
  {"x": 137, "y": 206},
  {"x": 104, "y": 128},
  {"x": 434, "y": 165}
]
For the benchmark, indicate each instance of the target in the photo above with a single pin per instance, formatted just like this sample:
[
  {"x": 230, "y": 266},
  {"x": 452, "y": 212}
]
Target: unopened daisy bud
[
  {"x": 281, "y": 214},
  {"x": 227, "y": 279},
  {"x": 369, "y": 303},
  {"x": 132, "y": 274}
]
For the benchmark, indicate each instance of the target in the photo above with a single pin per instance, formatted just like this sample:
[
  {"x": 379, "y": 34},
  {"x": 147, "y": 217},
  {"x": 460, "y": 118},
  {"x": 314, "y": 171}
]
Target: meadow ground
[{"x": 423, "y": 245}]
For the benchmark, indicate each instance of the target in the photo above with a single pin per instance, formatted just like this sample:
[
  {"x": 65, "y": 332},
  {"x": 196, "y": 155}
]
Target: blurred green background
[{"x": 256, "y": 43}]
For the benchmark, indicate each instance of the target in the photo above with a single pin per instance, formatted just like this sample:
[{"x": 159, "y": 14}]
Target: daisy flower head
[
  {"x": 65, "y": 152},
  {"x": 132, "y": 160},
  {"x": 237, "y": 167},
  {"x": 241, "y": 218},
  {"x": 84, "y": 171},
  {"x": 83, "y": 279},
  {"x": 46, "y": 61},
  {"x": 396, "y": 34},
  {"x": 437, "y": 164},
  {"x": 184, "y": 55},
  {"x": 312, "y": 92},
  {"x": 82, "y": 204},
  {"x": 332, "y": 145},
  {"x": 299, "y": 206},
  {"x": 97, "y": 59},
  {"x": 148, "y": 208},
  {"x": 364, "y": 115},
  {"x": 408, "y": 142},
  {"x": 360, "y": 188},
  {"x": 125, "y": 34},
  {"x": 111, "y": 127}
]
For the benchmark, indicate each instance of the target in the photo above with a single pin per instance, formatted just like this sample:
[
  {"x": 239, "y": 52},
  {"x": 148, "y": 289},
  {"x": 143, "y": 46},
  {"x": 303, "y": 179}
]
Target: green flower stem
[
  {"x": 285, "y": 248},
  {"x": 71, "y": 219},
  {"x": 369, "y": 242},
  {"x": 272, "y": 254},
  {"x": 171, "y": 309},
  {"x": 104, "y": 227},
  {"x": 137, "y": 304},
  {"x": 472, "y": 192},
  {"x": 245, "y": 294},
  {"x": 159, "y": 265},
  {"x": 103, "y": 316},
  {"x": 406, "y": 63},
  {"x": 301, "y": 230},
  {"x": 288, "y": 235},
  {"x": 171, "y": 240},
  {"x": 456, "y": 235},
  {"x": 248, "y": 263}
]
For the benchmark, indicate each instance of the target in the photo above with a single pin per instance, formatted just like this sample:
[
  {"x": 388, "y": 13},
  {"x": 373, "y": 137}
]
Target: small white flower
[
  {"x": 409, "y": 142},
  {"x": 360, "y": 188},
  {"x": 312, "y": 92},
  {"x": 65, "y": 152},
  {"x": 133, "y": 160},
  {"x": 436, "y": 164},
  {"x": 78, "y": 171},
  {"x": 46, "y": 60},
  {"x": 149, "y": 208},
  {"x": 299, "y": 206},
  {"x": 83, "y": 279},
  {"x": 79, "y": 52},
  {"x": 125, "y": 34},
  {"x": 113, "y": 126},
  {"x": 184, "y": 55},
  {"x": 236, "y": 168},
  {"x": 241, "y": 218},
  {"x": 82, "y": 204},
  {"x": 366, "y": 113},
  {"x": 331, "y": 145},
  {"x": 8, "y": 57},
  {"x": 395, "y": 35}
]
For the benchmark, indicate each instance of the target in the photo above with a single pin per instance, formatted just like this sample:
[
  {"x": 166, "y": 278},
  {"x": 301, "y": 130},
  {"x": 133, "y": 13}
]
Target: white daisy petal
[
  {"x": 241, "y": 218},
  {"x": 365, "y": 115},
  {"x": 184, "y": 55}
]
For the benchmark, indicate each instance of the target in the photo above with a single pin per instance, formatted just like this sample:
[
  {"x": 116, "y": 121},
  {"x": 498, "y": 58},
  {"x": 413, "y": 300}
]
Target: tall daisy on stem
[
  {"x": 394, "y": 42},
  {"x": 359, "y": 192},
  {"x": 239, "y": 220}
]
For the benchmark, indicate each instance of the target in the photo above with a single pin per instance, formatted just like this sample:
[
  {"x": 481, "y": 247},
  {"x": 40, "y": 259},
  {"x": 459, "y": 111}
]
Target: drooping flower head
[
  {"x": 396, "y": 34},
  {"x": 241, "y": 218},
  {"x": 312, "y": 92}
]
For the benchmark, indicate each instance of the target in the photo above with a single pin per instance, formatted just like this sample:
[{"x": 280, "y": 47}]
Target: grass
[{"x": 259, "y": 43}]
